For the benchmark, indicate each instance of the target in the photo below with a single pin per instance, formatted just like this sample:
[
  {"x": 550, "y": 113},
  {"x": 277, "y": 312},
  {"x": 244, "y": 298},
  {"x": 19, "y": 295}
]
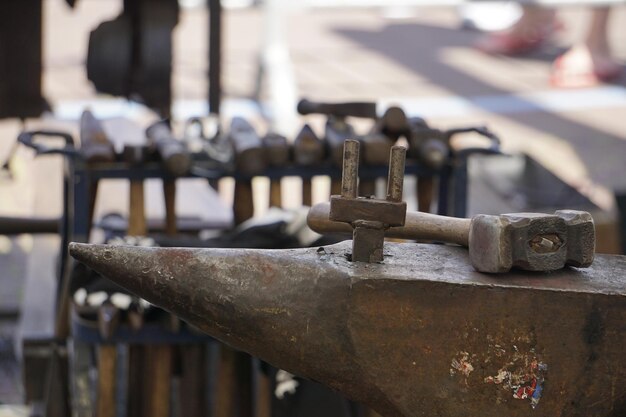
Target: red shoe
[
  {"x": 511, "y": 43},
  {"x": 563, "y": 76}
]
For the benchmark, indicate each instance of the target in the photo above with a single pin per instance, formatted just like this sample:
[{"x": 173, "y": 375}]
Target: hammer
[
  {"x": 277, "y": 154},
  {"x": 308, "y": 150},
  {"x": 250, "y": 161},
  {"x": 530, "y": 241},
  {"x": 96, "y": 148}
]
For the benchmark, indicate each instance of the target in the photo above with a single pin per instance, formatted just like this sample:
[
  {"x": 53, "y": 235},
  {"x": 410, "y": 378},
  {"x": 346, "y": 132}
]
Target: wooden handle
[
  {"x": 422, "y": 226},
  {"x": 276, "y": 197},
  {"x": 307, "y": 192},
  {"x": 107, "y": 359},
  {"x": 169, "y": 195},
  {"x": 136, "y": 216},
  {"x": 243, "y": 204},
  {"x": 425, "y": 190}
]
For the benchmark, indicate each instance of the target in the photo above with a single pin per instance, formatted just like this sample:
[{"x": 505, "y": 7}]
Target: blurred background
[{"x": 546, "y": 78}]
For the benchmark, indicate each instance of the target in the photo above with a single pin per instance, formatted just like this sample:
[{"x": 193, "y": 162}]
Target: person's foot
[
  {"x": 581, "y": 67},
  {"x": 529, "y": 33}
]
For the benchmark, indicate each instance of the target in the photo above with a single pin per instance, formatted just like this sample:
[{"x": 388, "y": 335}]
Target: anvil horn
[{"x": 421, "y": 334}]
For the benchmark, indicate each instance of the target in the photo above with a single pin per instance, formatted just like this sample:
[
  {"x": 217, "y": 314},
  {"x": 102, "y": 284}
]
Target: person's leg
[
  {"x": 589, "y": 62},
  {"x": 535, "y": 26}
]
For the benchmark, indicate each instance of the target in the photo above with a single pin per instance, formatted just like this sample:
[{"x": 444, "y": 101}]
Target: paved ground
[{"x": 424, "y": 62}]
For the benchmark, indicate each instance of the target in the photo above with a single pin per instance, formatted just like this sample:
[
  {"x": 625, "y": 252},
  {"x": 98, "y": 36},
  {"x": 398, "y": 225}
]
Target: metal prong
[
  {"x": 350, "y": 174},
  {"x": 395, "y": 179}
]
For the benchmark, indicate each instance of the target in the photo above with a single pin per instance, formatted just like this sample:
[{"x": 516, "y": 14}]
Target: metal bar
[
  {"x": 215, "y": 55},
  {"x": 395, "y": 179},
  {"x": 350, "y": 175}
]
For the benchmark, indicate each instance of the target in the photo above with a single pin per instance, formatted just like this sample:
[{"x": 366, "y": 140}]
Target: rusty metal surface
[
  {"x": 350, "y": 171},
  {"x": 421, "y": 334},
  {"x": 531, "y": 241},
  {"x": 395, "y": 178}
]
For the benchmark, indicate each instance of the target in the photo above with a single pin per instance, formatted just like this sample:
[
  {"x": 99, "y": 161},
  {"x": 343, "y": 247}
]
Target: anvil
[{"x": 420, "y": 334}]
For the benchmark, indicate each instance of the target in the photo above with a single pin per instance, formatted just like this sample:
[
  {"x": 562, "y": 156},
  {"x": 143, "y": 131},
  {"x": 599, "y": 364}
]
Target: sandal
[
  {"x": 511, "y": 43},
  {"x": 563, "y": 77}
]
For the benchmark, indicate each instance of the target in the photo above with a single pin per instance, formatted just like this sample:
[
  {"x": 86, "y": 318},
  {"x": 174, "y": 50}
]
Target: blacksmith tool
[
  {"x": 336, "y": 132},
  {"x": 108, "y": 321},
  {"x": 177, "y": 162},
  {"x": 393, "y": 122},
  {"x": 308, "y": 150},
  {"x": 158, "y": 364},
  {"x": 376, "y": 148},
  {"x": 431, "y": 148},
  {"x": 249, "y": 160},
  {"x": 95, "y": 145},
  {"x": 349, "y": 109},
  {"x": 149, "y": 365},
  {"x": 392, "y": 125},
  {"x": 210, "y": 148},
  {"x": 95, "y": 148},
  {"x": 369, "y": 216},
  {"x": 277, "y": 154},
  {"x": 172, "y": 152},
  {"x": 422, "y": 334},
  {"x": 529, "y": 241}
]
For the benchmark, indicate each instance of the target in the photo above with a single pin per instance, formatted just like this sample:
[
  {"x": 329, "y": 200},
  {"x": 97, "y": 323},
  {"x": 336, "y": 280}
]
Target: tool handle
[
  {"x": 33, "y": 225},
  {"x": 419, "y": 226},
  {"x": 354, "y": 109},
  {"x": 27, "y": 138}
]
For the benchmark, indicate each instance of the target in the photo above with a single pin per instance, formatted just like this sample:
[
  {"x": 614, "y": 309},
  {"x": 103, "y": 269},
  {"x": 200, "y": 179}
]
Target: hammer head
[{"x": 532, "y": 241}]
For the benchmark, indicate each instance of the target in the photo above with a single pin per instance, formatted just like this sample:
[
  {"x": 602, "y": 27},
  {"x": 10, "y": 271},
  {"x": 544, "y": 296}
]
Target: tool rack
[
  {"x": 78, "y": 180},
  {"x": 452, "y": 185}
]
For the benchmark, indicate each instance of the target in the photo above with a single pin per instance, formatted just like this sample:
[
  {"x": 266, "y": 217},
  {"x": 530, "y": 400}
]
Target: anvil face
[{"x": 421, "y": 334}]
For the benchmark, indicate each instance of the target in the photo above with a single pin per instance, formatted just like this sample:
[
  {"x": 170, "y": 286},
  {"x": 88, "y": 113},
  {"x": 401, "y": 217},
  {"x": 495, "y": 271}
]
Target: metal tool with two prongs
[
  {"x": 530, "y": 241},
  {"x": 369, "y": 216}
]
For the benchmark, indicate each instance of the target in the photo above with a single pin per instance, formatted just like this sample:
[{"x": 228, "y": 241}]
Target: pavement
[{"x": 423, "y": 61}]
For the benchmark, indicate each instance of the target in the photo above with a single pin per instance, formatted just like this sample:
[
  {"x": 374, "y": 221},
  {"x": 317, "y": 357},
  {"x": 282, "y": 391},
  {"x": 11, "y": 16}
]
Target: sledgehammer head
[{"x": 532, "y": 241}]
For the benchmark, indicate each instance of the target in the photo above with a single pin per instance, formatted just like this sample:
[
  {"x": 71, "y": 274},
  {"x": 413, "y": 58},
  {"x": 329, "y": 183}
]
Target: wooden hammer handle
[{"x": 422, "y": 226}]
